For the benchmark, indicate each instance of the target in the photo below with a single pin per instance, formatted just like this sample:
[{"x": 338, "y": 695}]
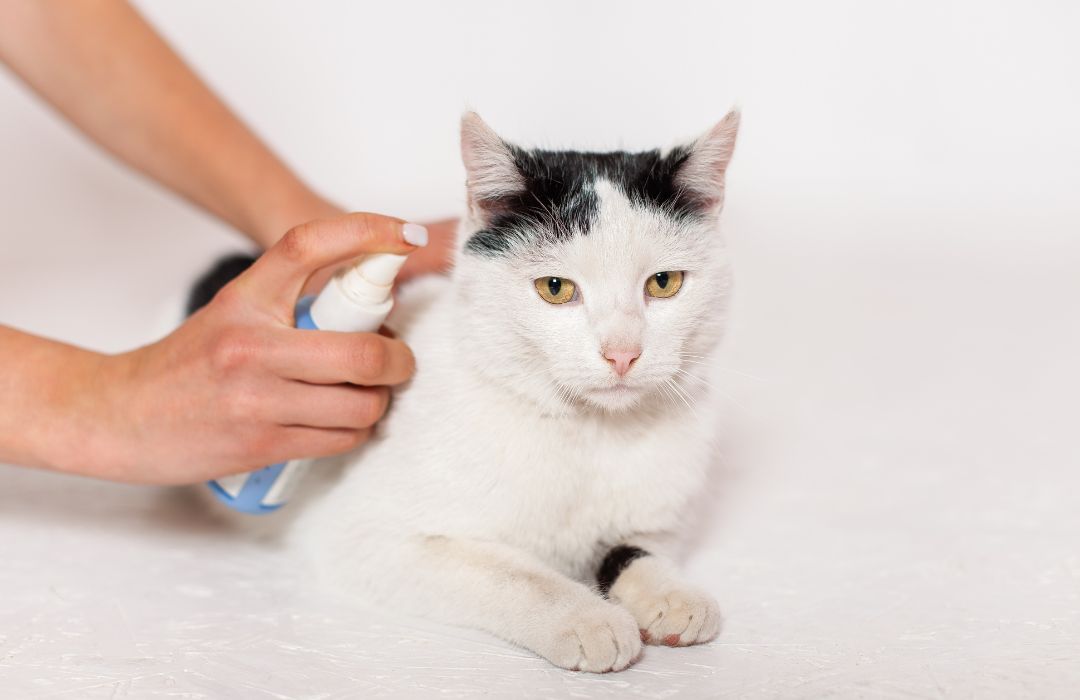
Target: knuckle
[
  {"x": 370, "y": 407},
  {"x": 296, "y": 244},
  {"x": 373, "y": 230},
  {"x": 370, "y": 358},
  {"x": 228, "y": 297},
  {"x": 365, "y": 227},
  {"x": 234, "y": 350}
]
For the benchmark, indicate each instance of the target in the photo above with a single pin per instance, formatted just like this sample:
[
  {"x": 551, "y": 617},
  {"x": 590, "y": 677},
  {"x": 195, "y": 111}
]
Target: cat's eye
[
  {"x": 664, "y": 284},
  {"x": 556, "y": 290}
]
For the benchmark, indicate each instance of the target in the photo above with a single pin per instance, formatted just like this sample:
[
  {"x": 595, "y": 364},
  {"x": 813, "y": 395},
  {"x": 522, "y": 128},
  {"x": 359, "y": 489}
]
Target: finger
[
  {"x": 437, "y": 255},
  {"x": 330, "y": 406},
  {"x": 329, "y": 357},
  {"x": 278, "y": 276},
  {"x": 302, "y": 442}
]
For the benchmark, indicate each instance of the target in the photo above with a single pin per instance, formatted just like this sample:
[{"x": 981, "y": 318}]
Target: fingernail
[{"x": 414, "y": 234}]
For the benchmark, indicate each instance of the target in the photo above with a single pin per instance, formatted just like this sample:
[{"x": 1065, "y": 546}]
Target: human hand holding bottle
[{"x": 237, "y": 387}]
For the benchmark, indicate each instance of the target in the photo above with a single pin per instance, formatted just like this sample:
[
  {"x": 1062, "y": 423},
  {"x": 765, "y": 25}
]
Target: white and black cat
[{"x": 535, "y": 477}]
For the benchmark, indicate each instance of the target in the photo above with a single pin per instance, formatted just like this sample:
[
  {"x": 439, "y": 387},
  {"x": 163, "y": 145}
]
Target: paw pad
[{"x": 673, "y": 615}]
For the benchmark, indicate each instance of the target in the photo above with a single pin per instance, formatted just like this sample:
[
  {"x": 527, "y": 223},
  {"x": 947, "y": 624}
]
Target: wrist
[{"x": 91, "y": 432}]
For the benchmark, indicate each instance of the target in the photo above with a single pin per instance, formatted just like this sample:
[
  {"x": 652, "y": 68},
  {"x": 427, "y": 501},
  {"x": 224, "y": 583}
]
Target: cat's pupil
[
  {"x": 554, "y": 285},
  {"x": 662, "y": 279}
]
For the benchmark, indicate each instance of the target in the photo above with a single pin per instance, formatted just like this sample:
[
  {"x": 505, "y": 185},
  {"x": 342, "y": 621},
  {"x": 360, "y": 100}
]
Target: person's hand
[
  {"x": 237, "y": 387},
  {"x": 437, "y": 255}
]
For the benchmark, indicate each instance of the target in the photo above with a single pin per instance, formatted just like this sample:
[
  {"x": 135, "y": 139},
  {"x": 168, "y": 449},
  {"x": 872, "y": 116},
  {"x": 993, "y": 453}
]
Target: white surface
[{"x": 898, "y": 513}]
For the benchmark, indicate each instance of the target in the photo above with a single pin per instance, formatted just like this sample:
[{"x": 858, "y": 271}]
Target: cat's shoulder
[{"x": 414, "y": 302}]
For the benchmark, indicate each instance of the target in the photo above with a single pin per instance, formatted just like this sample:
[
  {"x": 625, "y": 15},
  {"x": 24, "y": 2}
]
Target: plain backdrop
[{"x": 898, "y": 515}]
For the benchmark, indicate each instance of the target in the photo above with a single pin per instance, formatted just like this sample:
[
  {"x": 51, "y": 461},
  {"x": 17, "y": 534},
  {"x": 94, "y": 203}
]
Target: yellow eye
[
  {"x": 663, "y": 284},
  {"x": 555, "y": 290}
]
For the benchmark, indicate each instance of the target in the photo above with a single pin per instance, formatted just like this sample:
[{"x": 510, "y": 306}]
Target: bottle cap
[
  {"x": 370, "y": 280},
  {"x": 358, "y": 298}
]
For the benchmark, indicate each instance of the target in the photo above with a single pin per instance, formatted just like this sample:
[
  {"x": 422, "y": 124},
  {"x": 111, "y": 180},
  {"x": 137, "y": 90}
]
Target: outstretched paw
[{"x": 600, "y": 637}]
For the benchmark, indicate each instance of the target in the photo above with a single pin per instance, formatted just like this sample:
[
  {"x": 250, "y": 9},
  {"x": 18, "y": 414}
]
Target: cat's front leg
[
  {"x": 667, "y": 610},
  {"x": 500, "y": 589}
]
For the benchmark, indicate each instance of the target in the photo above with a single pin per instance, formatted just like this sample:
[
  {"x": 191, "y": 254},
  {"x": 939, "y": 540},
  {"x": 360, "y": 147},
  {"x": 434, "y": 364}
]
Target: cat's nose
[{"x": 620, "y": 360}]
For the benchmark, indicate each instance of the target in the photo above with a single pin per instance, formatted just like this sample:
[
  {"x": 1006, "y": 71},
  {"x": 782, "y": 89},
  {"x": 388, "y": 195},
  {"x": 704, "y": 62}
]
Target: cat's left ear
[{"x": 702, "y": 173}]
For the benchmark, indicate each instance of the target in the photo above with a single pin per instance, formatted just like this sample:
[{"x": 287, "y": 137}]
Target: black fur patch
[
  {"x": 615, "y": 563},
  {"x": 224, "y": 271},
  {"x": 560, "y": 199}
]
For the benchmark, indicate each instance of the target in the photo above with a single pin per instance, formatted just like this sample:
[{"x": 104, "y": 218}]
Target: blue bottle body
[{"x": 259, "y": 492}]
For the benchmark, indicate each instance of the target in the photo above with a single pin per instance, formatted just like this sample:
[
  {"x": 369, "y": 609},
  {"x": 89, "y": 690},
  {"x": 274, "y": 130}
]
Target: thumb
[{"x": 276, "y": 279}]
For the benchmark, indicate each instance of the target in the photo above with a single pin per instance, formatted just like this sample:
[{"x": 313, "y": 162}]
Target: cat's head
[{"x": 593, "y": 280}]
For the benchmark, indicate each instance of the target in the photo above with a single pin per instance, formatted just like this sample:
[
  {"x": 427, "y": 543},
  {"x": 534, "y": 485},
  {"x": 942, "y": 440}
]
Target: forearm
[
  {"x": 102, "y": 66},
  {"x": 52, "y": 407}
]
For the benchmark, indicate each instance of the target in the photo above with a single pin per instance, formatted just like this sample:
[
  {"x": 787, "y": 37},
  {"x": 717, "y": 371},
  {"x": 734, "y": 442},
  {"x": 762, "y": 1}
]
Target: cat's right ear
[{"x": 490, "y": 170}]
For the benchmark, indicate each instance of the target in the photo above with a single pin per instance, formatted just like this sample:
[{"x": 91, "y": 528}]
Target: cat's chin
[{"x": 617, "y": 398}]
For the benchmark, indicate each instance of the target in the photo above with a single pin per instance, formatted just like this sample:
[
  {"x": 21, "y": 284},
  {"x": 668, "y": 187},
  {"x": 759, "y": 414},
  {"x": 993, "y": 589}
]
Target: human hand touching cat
[
  {"x": 237, "y": 387},
  {"x": 230, "y": 389},
  {"x": 437, "y": 255},
  {"x": 434, "y": 257}
]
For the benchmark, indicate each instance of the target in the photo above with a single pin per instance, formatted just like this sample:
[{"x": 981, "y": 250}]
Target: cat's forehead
[
  {"x": 625, "y": 240},
  {"x": 627, "y": 234},
  {"x": 569, "y": 195}
]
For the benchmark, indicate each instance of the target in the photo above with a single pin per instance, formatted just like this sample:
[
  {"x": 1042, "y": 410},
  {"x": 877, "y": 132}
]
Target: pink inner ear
[
  {"x": 703, "y": 172},
  {"x": 491, "y": 173}
]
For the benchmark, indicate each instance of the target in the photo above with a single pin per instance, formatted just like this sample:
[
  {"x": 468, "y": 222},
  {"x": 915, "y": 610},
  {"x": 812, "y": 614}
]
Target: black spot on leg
[{"x": 615, "y": 563}]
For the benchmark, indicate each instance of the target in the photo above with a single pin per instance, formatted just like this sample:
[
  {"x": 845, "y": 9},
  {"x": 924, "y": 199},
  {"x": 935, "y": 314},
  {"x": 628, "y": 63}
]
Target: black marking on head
[
  {"x": 614, "y": 564},
  {"x": 210, "y": 283},
  {"x": 559, "y": 199}
]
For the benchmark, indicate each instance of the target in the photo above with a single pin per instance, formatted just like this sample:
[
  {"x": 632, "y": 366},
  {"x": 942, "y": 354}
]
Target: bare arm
[
  {"x": 101, "y": 65},
  {"x": 234, "y": 388}
]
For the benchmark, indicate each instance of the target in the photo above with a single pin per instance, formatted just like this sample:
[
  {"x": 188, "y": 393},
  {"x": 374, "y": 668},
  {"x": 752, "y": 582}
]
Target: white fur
[{"x": 516, "y": 457}]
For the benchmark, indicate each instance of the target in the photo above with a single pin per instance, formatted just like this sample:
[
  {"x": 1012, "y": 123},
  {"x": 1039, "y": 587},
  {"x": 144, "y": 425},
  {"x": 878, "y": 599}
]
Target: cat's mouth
[
  {"x": 615, "y": 397},
  {"x": 615, "y": 389}
]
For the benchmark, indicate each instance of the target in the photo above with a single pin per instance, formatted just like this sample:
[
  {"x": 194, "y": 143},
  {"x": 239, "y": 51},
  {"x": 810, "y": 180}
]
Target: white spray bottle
[{"x": 355, "y": 300}]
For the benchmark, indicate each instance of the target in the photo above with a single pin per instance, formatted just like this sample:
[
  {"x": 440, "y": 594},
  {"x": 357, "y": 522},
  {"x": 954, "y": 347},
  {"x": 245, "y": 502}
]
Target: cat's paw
[
  {"x": 597, "y": 637},
  {"x": 675, "y": 615}
]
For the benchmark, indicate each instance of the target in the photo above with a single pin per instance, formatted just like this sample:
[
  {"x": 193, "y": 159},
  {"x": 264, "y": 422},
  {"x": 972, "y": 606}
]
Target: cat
[{"x": 535, "y": 477}]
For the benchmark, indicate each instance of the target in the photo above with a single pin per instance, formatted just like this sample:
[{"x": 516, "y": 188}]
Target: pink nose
[{"x": 621, "y": 360}]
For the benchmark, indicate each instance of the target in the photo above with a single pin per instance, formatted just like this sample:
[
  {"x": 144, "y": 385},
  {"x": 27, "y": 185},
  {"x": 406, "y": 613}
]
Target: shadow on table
[{"x": 35, "y": 498}]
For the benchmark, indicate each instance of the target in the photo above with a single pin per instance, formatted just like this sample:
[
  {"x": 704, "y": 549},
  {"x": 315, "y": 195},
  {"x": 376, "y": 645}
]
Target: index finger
[{"x": 277, "y": 277}]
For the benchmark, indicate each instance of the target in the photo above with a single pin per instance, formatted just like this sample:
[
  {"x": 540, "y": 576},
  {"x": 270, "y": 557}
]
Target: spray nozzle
[{"x": 370, "y": 279}]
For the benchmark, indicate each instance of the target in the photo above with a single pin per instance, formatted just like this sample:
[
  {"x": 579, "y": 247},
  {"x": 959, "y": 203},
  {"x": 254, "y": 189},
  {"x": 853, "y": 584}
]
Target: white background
[{"x": 897, "y": 513}]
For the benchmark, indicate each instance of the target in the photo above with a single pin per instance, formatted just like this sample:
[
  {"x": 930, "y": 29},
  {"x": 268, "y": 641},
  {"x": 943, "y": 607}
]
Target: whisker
[
  {"x": 668, "y": 395},
  {"x": 678, "y": 392}
]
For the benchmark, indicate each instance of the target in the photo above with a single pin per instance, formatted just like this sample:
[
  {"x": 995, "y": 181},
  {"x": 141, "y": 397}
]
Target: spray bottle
[{"x": 355, "y": 300}]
